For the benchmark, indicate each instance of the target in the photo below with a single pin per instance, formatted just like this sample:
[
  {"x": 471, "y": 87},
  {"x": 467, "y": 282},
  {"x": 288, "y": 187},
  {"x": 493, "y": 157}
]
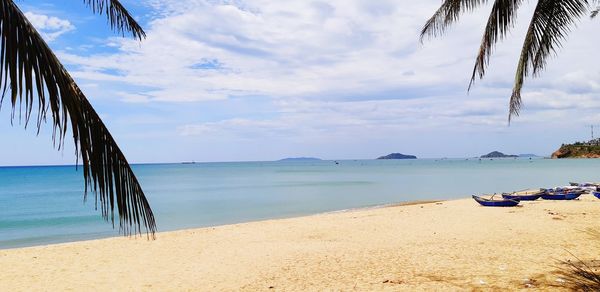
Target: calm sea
[{"x": 42, "y": 205}]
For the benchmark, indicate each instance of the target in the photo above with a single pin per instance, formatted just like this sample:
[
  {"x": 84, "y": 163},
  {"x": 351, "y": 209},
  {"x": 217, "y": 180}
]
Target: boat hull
[
  {"x": 561, "y": 196},
  {"x": 495, "y": 203},
  {"x": 522, "y": 197}
]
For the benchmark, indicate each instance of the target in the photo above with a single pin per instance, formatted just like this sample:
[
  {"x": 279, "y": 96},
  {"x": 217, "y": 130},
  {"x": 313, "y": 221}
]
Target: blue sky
[{"x": 235, "y": 80}]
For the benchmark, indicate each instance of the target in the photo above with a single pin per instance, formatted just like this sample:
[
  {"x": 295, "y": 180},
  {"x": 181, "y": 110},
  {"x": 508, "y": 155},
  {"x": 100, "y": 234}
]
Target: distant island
[
  {"x": 590, "y": 149},
  {"x": 497, "y": 154},
  {"x": 528, "y": 155},
  {"x": 300, "y": 159},
  {"x": 397, "y": 156}
]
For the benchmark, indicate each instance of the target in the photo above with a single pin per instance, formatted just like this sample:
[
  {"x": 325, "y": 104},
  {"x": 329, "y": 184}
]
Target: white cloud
[
  {"x": 50, "y": 27},
  {"x": 296, "y": 48},
  {"x": 352, "y": 68}
]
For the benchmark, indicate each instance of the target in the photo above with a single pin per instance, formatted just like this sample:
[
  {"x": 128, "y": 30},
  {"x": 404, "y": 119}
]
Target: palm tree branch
[
  {"x": 500, "y": 21},
  {"x": 596, "y": 10},
  {"x": 550, "y": 24},
  {"x": 29, "y": 69},
  {"x": 118, "y": 17},
  {"x": 448, "y": 13},
  {"x": 555, "y": 31}
]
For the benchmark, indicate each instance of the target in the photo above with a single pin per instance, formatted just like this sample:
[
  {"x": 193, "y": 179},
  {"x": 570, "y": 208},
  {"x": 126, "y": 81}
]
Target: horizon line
[{"x": 234, "y": 161}]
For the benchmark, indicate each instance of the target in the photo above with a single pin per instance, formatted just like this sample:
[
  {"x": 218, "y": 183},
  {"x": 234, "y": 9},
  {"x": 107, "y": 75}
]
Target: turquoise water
[{"x": 42, "y": 205}]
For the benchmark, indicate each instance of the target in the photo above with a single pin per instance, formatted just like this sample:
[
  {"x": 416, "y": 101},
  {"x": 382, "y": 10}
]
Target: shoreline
[
  {"x": 372, "y": 207},
  {"x": 142, "y": 236},
  {"x": 433, "y": 246}
]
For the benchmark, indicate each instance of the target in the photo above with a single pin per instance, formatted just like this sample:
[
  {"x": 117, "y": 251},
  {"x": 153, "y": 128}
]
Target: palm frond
[
  {"x": 31, "y": 74},
  {"x": 551, "y": 22},
  {"x": 448, "y": 13},
  {"x": 594, "y": 11},
  {"x": 501, "y": 20},
  {"x": 118, "y": 17}
]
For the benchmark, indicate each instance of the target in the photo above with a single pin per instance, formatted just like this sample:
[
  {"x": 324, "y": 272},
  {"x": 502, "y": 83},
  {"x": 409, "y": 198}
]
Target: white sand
[{"x": 451, "y": 245}]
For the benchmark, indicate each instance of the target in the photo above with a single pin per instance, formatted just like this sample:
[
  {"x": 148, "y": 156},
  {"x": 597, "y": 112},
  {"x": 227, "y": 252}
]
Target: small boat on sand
[
  {"x": 562, "y": 194},
  {"x": 525, "y": 195},
  {"x": 584, "y": 184},
  {"x": 495, "y": 203},
  {"x": 597, "y": 195}
]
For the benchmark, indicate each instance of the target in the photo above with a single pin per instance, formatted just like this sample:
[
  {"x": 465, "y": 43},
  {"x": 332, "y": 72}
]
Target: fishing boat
[
  {"x": 584, "y": 184},
  {"x": 571, "y": 189},
  {"x": 558, "y": 194},
  {"x": 597, "y": 195},
  {"x": 525, "y": 195},
  {"x": 495, "y": 203}
]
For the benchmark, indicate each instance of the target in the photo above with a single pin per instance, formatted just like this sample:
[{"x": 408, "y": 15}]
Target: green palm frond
[
  {"x": 118, "y": 17},
  {"x": 499, "y": 23},
  {"x": 551, "y": 22},
  {"x": 448, "y": 13},
  {"x": 30, "y": 74}
]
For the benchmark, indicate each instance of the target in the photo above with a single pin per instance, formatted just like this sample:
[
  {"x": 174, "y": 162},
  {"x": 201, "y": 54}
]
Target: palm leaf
[
  {"x": 595, "y": 11},
  {"x": 551, "y": 22},
  {"x": 31, "y": 74},
  {"x": 500, "y": 21},
  {"x": 118, "y": 17},
  {"x": 448, "y": 13}
]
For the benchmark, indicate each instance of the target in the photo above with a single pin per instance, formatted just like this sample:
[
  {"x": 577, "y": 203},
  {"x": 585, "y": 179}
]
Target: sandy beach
[{"x": 449, "y": 245}]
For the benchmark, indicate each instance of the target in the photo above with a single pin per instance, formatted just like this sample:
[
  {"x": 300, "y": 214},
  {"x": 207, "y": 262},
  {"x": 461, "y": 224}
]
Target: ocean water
[{"x": 43, "y": 205}]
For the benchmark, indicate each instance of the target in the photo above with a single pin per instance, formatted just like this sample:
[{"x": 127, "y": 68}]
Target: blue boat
[
  {"x": 559, "y": 195},
  {"x": 495, "y": 203},
  {"x": 528, "y": 195},
  {"x": 584, "y": 184},
  {"x": 522, "y": 197},
  {"x": 597, "y": 195}
]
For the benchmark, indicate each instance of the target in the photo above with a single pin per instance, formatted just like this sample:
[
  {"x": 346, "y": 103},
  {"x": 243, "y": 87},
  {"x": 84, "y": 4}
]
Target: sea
[{"x": 45, "y": 204}]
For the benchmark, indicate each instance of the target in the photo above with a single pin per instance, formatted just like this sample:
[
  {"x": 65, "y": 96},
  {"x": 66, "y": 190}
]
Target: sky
[{"x": 250, "y": 80}]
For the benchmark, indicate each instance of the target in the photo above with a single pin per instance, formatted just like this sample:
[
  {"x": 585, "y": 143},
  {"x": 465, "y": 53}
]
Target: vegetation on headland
[{"x": 578, "y": 150}]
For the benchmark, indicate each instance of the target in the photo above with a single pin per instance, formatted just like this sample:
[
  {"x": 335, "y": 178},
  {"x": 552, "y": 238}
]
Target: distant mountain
[
  {"x": 300, "y": 159},
  {"x": 397, "y": 156},
  {"x": 497, "y": 154},
  {"x": 528, "y": 155}
]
